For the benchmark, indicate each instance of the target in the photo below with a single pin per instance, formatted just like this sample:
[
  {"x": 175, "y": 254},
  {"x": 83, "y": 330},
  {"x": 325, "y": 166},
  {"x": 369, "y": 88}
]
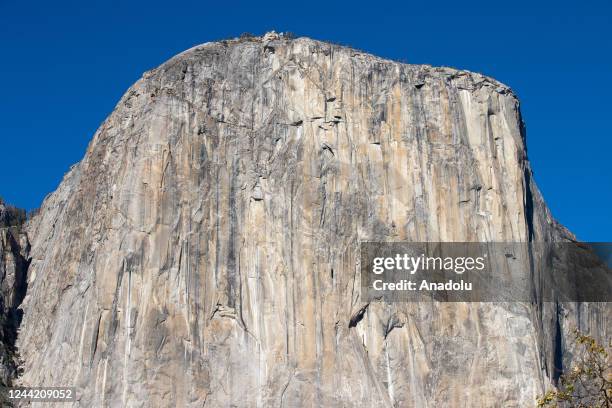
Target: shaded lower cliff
[{"x": 14, "y": 262}]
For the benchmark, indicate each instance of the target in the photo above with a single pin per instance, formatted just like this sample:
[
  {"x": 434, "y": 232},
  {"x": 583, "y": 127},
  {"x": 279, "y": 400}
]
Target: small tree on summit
[{"x": 589, "y": 382}]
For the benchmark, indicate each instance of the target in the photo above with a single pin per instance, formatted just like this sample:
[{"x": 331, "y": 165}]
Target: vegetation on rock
[{"x": 588, "y": 383}]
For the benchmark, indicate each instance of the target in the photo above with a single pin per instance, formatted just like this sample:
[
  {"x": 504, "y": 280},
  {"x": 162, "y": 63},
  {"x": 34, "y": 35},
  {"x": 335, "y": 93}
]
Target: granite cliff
[{"x": 205, "y": 250}]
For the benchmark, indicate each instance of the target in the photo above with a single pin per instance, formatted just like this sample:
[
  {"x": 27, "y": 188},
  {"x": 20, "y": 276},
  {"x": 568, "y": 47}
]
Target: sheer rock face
[{"x": 205, "y": 250}]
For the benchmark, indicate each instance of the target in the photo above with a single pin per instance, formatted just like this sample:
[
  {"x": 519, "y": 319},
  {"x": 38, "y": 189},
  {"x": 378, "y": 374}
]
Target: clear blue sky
[{"x": 64, "y": 65}]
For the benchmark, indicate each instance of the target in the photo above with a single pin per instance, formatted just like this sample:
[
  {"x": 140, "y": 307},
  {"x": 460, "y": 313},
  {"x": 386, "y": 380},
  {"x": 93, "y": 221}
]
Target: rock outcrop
[
  {"x": 205, "y": 250},
  {"x": 14, "y": 264}
]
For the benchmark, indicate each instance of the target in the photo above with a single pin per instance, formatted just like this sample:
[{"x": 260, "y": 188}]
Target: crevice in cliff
[
  {"x": 282, "y": 397},
  {"x": 394, "y": 322},
  {"x": 558, "y": 348},
  {"x": 529, "y": 204},
  {"x": 326, "y": 147},
  {"x": 357, "y": 317}
]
